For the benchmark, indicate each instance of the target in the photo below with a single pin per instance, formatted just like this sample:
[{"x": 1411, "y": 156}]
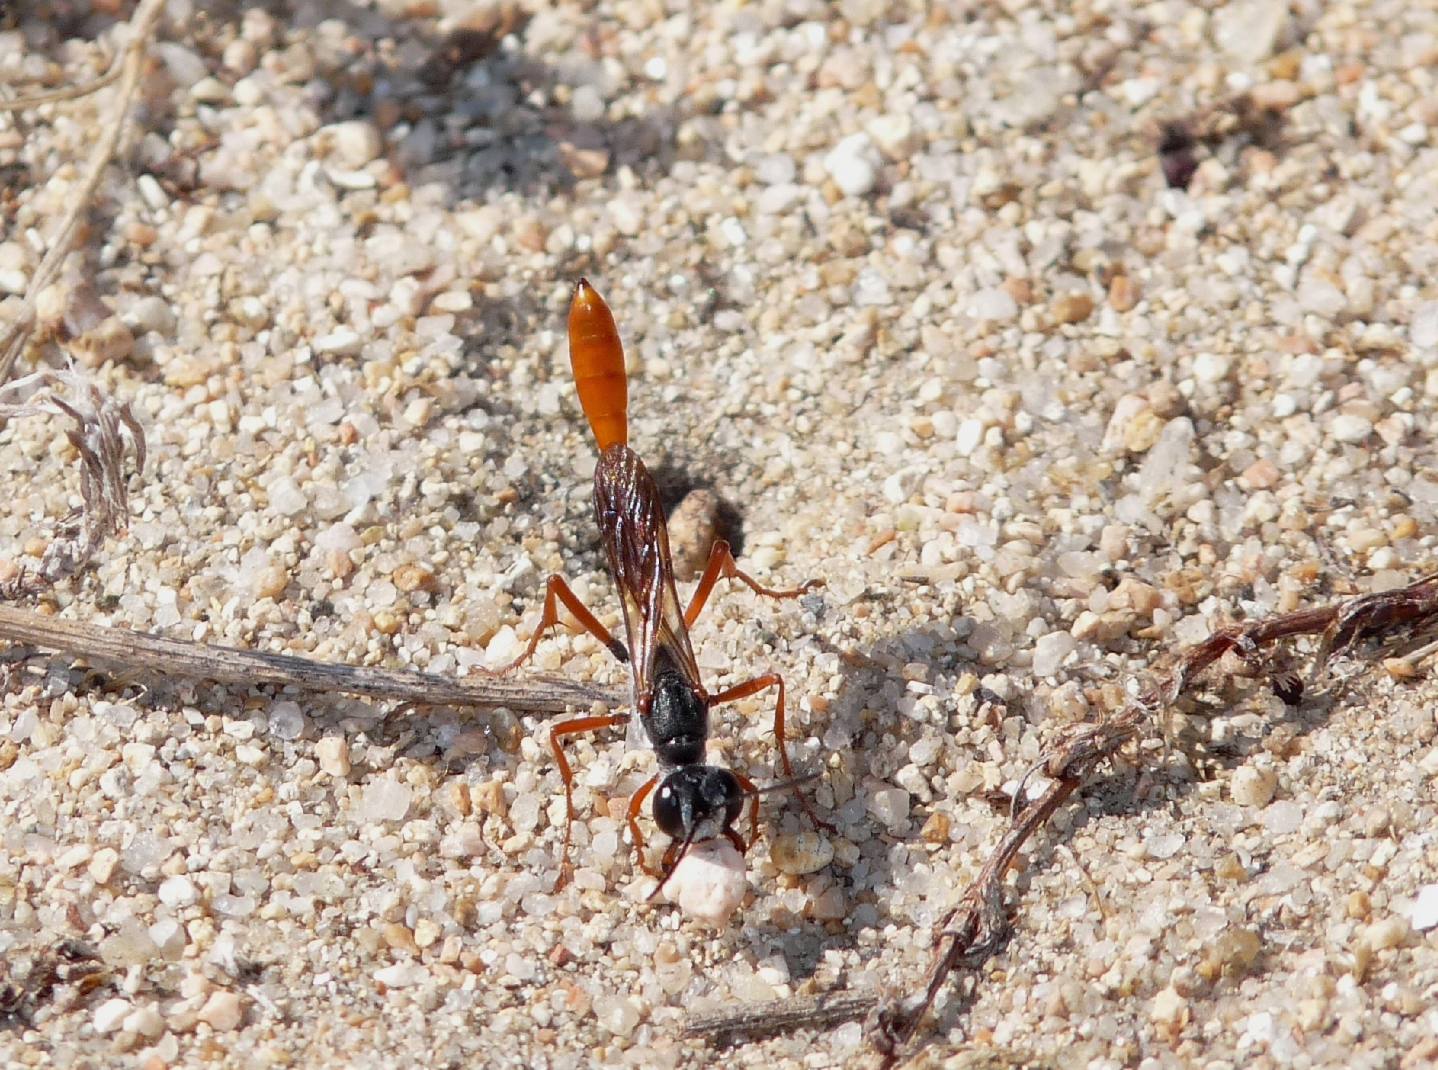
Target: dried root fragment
[{"x": 104, "y": 432}]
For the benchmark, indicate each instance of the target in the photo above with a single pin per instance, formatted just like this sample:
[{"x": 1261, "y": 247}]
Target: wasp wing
[{"x": 636, "y": 542}]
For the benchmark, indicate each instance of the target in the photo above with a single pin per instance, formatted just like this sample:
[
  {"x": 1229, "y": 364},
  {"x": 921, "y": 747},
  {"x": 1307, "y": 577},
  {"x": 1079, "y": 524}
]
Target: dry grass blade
[
  {"x": 979, "y": 926},
  {"x": 17, "y": 333},
  {"x": 104, "y": 433}
]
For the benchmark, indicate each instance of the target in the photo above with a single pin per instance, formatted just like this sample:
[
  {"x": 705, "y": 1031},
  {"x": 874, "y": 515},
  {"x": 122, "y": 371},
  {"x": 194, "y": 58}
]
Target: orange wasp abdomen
[{"x": 597, "y": 356}]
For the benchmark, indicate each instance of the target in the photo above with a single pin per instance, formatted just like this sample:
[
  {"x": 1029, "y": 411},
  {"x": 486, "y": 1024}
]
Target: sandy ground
[{"x": 908, "y": 291}]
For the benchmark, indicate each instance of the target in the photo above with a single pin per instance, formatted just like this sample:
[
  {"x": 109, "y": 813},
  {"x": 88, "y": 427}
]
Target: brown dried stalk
[
  {"x": 130, "y": 651},
  {"x": 69, "y": 92},
  {"x": 781, "y": 1015},
  {"x": 17, "y": 333},
  {"x": 977, "y": 928},
  {"x": 104, "y": 433}
]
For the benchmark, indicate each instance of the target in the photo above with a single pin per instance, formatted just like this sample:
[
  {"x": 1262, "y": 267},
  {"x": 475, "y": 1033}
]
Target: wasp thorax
[
  {"x": 678, "y": 719},
  {"x": 697, "y": 802}
]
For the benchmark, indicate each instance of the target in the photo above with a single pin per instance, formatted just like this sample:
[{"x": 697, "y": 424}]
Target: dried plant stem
[
  {"x": 781, "y": 1015},
  {"x": 70, "y": 92},
  {"x": 17, "y": 333},
  {"x": 139, "y": 651},
  {"x": 978, "y": 927}
]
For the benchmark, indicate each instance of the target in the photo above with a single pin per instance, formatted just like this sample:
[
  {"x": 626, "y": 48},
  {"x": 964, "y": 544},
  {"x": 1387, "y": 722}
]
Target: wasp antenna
[
  {"x": 669, "y": 872},
  {"x": 597, "y": 357}
]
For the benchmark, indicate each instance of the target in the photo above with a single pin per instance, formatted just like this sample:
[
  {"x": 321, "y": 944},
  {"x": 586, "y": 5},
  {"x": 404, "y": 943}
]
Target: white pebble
[
  {"x": 1282, "y": 818},
  {"x": 222, "y": 1011},
  {"x": 102, "y": 865},
  {"x": 1248, "y": 30},
  {"x": 210, "y": 91},
  {"x": 894, "y": 134},
  {"x": 779, "y": 170},
  {"x": 1350, "y": 427},
  {"x": 1387, "y": 933},
  {"x": 1169, "y": 1007},
  {"x": 587, "y": 105},
  {"x": 1252, "y": 786},
  {"x": 1161, "y": 845},
  {"x": 708, "y": 883},
  {"x": 168, "y": 936},
  {"x": 1424, "y": 327},
  {"x": 993, "y": 305},
  {"x": 286, "y": 720},
  {"x": 178, "y": 892},
  {"x": 618, "y": 1014},
  {"x": 144, "y": 1021},
  {"x": 1321, "y": 297},
  {"x": 343, "y": 342},
  {"x": 1050, "y": 651},
  {"x": 333, "y": 755},
  {"x": 1423, "y": 914},
  {"x": 970, "y": 436},
  {"x": 386, "y": 799},
  {"x": 151, "y": 313},
  {"x": 871, "y": 288},
  {"x": 1211, "y": 368},
  {"x": 110, "y": 1014},
  {"x": 452, "y": 301},
  {"x": 890, "y": 806},
  {"x": 853, "y": 164},
  {"x": 355, "y": 143},
  {"x": 402, "y": 975}
]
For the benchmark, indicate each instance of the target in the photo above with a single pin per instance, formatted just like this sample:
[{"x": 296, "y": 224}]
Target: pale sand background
[{"x": 907, "y": 290}]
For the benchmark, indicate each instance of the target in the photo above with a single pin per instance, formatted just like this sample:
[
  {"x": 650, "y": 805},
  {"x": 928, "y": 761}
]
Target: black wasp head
[{"x": 698, "y": 802}]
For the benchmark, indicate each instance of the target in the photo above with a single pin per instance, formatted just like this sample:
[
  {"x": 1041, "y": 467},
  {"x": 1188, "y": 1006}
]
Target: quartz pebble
[
  {"x": 222, "y": 1011},
  {"x": 110, "y": 1014},
  {"x": 1423, "y": 915},
  {"x": 144, "y": 1021},
  {"x": 333, "y": 755},
  {"x": 355, "y": 142},
  {"x": 385, "y": 799},
  {"x": 177, "y": 892},
  {"x": 1050, "y": 651},
  {"x": 853, "y": 165},
  {"x": 890, "y": 807},
  {"x": 709, "y": 881},
  {"x": 1252, "y": 786},
  {"x": 799, "y": 853}
]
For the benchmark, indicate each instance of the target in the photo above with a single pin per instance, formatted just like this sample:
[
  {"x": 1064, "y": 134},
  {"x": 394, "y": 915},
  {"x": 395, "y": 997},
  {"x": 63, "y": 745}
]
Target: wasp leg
[
  {"x": 636, "y": 803},
  {"x": 722, "y": 566},
  {"x": 573, "y": 728},
  {"x": 753, "y": 687},
  {"x": 753, "y": 793},
  {"x": 557, "y": 591}
]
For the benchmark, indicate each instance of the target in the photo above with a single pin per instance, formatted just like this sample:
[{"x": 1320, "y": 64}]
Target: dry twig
[
  {"x": 979, "y": 926},
  {"x": 199, "y": 661},
  {"x": 17, "y": 333},
  {"x": 103, "y": 434},
  {"x": 70, "y": 92},
  {"x": 781, "y": 1015}
]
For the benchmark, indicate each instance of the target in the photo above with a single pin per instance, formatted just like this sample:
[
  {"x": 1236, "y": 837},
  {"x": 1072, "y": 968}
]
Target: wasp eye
[{"x": 669, "y": 810}]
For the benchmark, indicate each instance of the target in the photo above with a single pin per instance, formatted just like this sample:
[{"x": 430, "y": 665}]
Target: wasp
[{"x": 694, "y": 801}]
